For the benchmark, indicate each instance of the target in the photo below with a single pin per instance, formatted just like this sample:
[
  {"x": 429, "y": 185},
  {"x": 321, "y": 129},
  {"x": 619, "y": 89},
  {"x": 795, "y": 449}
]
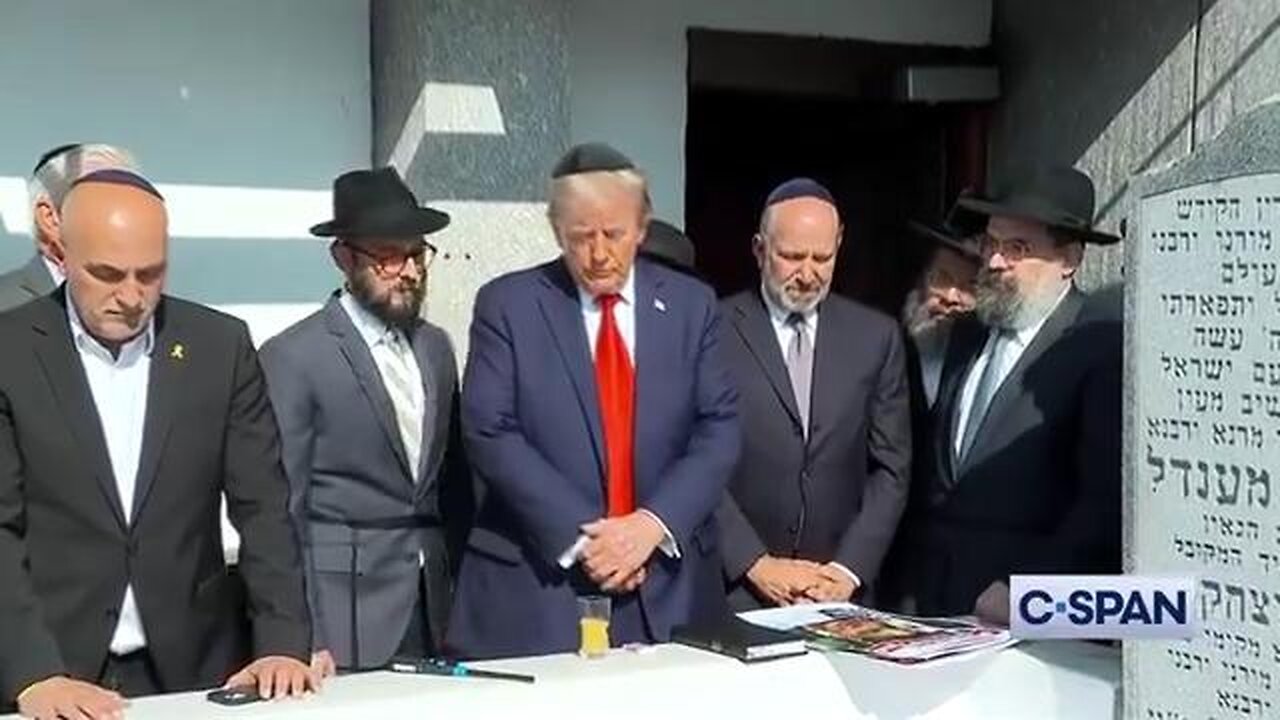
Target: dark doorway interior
[{"x": 762, "y": 109}]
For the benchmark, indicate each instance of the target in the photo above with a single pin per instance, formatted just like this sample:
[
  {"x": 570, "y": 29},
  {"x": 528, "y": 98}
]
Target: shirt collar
[
  {"x": 130, "y": 351},
  {"x": 779, "y": 314},
  {"x": 371, "y": 328},
  {"x": 627, "y": 293}
]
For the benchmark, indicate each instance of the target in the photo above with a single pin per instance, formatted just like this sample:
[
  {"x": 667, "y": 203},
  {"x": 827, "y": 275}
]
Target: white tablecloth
[{"x": 1048, "y": 680}]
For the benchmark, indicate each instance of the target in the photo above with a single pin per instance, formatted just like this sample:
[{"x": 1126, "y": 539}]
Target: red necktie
[{"x": 617, "y": 385}]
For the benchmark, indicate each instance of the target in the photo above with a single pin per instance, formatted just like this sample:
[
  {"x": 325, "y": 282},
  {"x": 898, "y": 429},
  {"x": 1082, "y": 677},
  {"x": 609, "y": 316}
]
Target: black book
[{"x": 740, "y": 639}]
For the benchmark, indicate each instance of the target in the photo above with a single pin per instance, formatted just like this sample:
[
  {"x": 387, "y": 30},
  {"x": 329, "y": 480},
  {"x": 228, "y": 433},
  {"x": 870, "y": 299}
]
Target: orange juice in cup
[{"x": 593, "y": 622}]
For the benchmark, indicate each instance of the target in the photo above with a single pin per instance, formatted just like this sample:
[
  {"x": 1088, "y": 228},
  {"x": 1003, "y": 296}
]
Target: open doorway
[{"x": 762, "y": 109}]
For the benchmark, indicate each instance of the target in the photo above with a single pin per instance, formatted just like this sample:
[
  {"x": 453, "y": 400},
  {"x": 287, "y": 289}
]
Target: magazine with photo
[{"x": 900, "y": 638}]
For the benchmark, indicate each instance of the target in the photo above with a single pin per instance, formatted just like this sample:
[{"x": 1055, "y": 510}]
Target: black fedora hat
[
  {"x": 377, "y": 202},
  {"x": 666, "y": 244},
  {"x": 1060, "y": 197},
  {"x": 946, "y": 236}
]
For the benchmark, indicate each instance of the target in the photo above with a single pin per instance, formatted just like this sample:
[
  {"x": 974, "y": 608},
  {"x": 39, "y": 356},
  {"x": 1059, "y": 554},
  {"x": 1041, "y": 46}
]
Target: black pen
[{"x": 435, "y": 666}]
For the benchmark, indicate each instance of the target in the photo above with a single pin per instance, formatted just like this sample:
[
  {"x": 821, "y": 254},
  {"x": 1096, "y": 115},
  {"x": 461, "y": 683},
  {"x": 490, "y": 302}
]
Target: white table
[
  {"x": 664, "y": 682},
  {"x": 1062, "y": 680},
  {"x": 1049, "y": 680}
]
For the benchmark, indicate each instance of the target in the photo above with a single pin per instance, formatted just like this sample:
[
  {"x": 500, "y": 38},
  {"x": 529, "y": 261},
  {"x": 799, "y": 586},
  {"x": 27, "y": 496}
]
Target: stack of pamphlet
[{"x": 881, "y": 635}]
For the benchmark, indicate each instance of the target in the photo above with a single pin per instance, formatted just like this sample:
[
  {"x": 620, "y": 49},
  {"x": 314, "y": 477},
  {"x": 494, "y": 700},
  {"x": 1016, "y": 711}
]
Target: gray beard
[
  {"x": 779, "y": 298},
  {"x": 1000, "y": 304},
  {"x": 923, "y": 327},
  {"x": 916, "y": 319}
]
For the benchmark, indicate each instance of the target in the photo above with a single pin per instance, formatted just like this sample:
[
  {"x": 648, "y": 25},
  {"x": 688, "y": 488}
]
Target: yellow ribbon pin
[{"x": 178, "y": 352}]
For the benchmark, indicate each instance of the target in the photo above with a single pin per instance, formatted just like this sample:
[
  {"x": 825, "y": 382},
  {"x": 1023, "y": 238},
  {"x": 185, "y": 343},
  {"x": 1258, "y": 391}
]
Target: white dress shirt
[
  {"x": 624, "y": 316},
  {"x": 778, "y": 316},
  {"x": 380, "y": 338},
  {"x": 119, "y": 388},
  {"x": 1020, "y": 340}
]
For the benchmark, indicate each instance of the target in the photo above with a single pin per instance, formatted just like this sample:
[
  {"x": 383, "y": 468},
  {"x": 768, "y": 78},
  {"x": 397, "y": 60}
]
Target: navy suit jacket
[{"x": 531, "y": 421}]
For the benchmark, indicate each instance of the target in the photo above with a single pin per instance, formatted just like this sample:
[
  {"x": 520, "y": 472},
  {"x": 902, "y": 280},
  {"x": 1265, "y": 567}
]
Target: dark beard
[
  {"x": 396, "y": 316},
  {"x": 997, "y": 302}
]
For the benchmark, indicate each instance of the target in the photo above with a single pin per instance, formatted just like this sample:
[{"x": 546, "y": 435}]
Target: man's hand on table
[
  {"x": 61, "y": 697},
  {"x": 323, "y": 665},
  {"x": 277, "y": 676},
  {"x": 993, "y": 604}
]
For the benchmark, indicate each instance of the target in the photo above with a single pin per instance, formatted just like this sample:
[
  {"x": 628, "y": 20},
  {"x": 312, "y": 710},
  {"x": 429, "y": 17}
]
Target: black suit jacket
[
  {"x": 66, "y": 553},
  {"x": 837, "y": 495},
  {"x": 1039, "y": 491}
]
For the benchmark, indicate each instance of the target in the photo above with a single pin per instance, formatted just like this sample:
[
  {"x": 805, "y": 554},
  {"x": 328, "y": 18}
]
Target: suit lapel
[
  {"x": 563, "y": 313},
  {"x": 751, "y": 319},
  {"x": 166, "y": 377},
  {"x": 963, "y": 348},
  {"x": 35, "y": 278},
  {"x": 66, "y": 377},
  {"x": 356, "y": 352},
  {"x": 652, "y": 331},
  {"x": 1011, "y": 389},
  {"x": 432, "y": 404}
]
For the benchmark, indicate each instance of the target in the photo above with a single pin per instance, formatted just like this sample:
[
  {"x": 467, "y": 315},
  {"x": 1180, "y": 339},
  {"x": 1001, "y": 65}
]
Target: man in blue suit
[{"x": 601, "y": 425}]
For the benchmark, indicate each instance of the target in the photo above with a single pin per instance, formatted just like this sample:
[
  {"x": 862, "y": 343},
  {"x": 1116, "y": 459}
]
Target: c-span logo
[{"x": 1101, "y": 607}]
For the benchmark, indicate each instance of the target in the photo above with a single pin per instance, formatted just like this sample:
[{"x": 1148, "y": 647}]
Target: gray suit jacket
[
  {"x": 24, "y": 284},
  {"x": 363, "y": 519}
]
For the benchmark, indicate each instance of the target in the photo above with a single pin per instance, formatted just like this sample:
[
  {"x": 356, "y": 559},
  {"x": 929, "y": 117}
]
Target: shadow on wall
[
  {"x": 1119, "y": 88},
  {"x": 1208, "y": 95},
  {"x": 1068, "y": 69}
]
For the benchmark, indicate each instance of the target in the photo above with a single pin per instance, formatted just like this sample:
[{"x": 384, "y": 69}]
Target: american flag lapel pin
[{"x": 661, "y": 306}]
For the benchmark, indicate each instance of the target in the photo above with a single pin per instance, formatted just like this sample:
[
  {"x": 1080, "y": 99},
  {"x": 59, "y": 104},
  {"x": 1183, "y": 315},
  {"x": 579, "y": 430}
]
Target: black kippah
[
  {"x": 51, "y": 154},
  {"x": 120, "y": 177},
  {"x": 591, "y": 157},
  {"x": 801, "y": 187}
]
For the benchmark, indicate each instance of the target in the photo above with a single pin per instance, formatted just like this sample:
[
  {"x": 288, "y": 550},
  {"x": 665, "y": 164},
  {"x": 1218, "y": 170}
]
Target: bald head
[
  {"x": 116, "y": 244},
  {"x": 796, "y": 251}
]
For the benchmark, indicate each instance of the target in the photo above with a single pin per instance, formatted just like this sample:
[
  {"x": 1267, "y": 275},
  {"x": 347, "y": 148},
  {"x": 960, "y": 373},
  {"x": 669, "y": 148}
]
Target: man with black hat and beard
[
  {"x": 1026, "y": 453},
  {"x": 366, "y": 396},
  {"x": 943, "y": 295}
]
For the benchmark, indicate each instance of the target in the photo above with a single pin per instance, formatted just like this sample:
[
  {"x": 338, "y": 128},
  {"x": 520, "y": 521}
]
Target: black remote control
[{"x": 240, "y": 695}]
